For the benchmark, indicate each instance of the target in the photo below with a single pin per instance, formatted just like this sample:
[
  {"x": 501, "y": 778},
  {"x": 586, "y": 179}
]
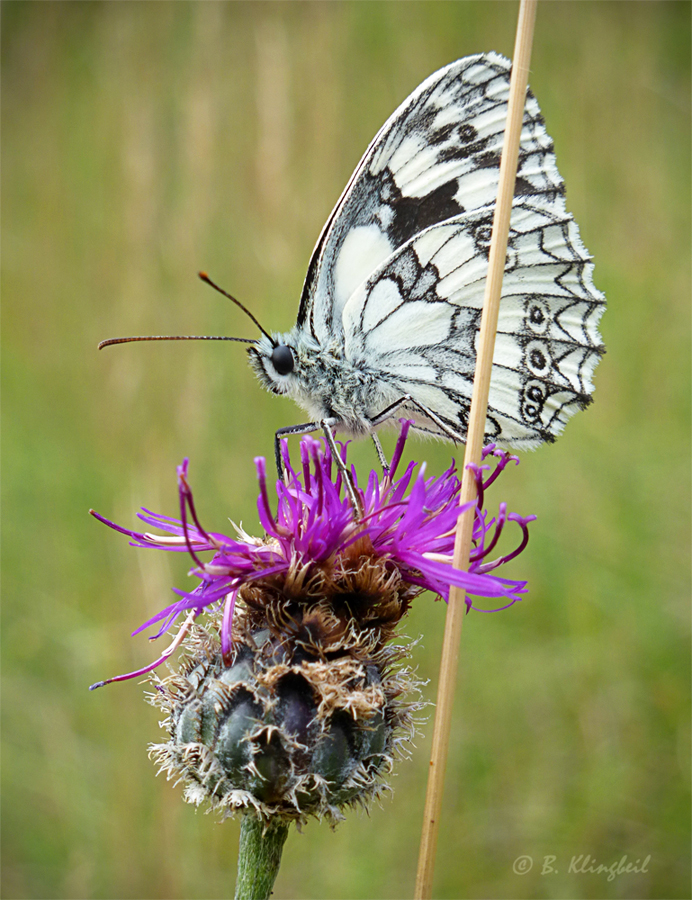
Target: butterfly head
[{"x": 275, "y": 361}]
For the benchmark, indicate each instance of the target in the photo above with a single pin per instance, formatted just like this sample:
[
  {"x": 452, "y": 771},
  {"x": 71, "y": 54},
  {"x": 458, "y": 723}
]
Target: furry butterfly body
[{"x": 390, "y": 309}]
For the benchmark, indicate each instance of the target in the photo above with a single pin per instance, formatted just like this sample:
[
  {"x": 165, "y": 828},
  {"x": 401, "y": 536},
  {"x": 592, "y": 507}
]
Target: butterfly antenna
[
  {"x": 205, "y": 277},
  {"x": 173, "y": 337}
]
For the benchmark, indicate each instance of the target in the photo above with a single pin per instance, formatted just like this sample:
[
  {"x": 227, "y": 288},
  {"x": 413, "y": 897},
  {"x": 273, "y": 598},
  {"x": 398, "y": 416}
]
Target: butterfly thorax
[{"x": 322, "y": 380}]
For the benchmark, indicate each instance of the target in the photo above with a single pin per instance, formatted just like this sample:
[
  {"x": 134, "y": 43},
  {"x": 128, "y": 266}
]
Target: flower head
[
  {"x": 368, "y": 568},
  {"x": 292, "y": 700}
]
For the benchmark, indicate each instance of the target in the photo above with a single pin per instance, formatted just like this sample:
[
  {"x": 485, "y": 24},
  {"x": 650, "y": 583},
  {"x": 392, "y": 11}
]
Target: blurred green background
[{"x": 145, "y": 141}]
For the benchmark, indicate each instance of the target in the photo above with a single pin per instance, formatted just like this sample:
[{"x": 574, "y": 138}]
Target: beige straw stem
[{"x": 474, "y": 444}]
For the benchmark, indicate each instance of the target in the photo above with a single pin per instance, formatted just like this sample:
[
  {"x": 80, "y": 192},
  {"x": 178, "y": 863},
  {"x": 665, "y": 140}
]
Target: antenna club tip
[{"x": 203, "y": 276}]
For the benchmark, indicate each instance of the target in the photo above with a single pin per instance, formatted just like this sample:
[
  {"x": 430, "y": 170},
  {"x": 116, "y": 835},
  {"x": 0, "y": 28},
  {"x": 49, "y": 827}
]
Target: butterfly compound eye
[{"x": 282, "y": 359}]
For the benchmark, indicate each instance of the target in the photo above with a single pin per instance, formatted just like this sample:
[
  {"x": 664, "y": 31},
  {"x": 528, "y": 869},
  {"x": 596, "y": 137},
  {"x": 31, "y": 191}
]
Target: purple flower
[{"x": 408, "y": 522}]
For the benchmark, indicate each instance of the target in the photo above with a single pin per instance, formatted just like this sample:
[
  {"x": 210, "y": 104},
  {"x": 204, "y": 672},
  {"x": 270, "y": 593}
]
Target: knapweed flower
[
  {"x": 289, "y": 700},
  {"x": 407, "y": 531}
]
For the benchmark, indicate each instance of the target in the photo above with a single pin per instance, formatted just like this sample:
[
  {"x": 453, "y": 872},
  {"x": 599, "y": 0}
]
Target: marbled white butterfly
[{"x": 391, "y": 306}]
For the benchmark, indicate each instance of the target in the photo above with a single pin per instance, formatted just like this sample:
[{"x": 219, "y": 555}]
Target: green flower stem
[{"x": 259, "y": 857}]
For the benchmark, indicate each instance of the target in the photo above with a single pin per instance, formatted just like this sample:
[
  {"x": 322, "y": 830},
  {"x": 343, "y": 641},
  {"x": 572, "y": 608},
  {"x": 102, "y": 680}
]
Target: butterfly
[{"x": 390, "y": 310}]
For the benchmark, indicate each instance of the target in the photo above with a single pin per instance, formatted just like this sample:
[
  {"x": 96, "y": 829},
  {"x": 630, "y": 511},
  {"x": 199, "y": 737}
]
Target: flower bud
[{"x": 282, "y": 728}]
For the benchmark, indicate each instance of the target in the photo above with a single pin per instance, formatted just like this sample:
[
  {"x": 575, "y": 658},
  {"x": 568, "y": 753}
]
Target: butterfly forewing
[{"x": 437, "y": 156}]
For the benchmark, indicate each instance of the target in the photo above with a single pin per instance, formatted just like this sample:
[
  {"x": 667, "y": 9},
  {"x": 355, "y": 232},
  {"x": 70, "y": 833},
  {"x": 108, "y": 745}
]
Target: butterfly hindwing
[{"x": 414, "y": 323}]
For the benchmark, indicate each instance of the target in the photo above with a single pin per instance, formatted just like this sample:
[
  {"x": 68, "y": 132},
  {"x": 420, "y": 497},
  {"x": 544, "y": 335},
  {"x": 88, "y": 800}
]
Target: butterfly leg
[
  {"x": 407, "y": 398},
  {"x": 327, "y": 425},
  {"x": 307, "y": 428},
  {"x": 380, "y": 454}
]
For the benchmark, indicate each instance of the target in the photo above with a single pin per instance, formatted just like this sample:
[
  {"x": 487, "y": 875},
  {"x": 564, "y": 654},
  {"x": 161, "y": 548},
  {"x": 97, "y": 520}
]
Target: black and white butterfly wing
[
  {"x": 437, "y": 156},
  {"x": 416, "y": 321},
  {"x": 396, "y": 278}
]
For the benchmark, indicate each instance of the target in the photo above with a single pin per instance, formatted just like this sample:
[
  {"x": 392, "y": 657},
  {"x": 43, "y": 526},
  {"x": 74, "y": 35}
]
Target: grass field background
[{"x": 145, "y": 141}]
